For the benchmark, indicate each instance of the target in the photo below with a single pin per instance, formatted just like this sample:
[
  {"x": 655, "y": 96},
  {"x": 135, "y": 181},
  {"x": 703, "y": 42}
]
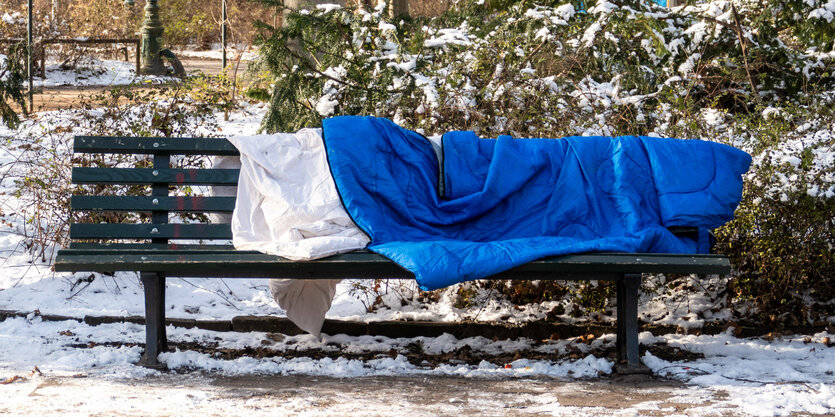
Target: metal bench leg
[
  {"x": 155, "y": 339},
  {"x": 627, "y": 339}
]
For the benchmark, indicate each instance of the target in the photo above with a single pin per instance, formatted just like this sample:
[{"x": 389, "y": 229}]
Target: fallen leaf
[
  {"x": 275, "y": 337},
  {"x": 8, "y": 381}
]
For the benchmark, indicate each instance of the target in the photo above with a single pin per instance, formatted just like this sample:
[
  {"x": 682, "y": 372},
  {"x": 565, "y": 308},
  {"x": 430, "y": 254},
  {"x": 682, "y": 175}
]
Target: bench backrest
[{"x": 160, "y": 176}]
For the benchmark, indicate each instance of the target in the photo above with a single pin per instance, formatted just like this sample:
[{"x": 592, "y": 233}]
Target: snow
[
  {"x": 325, "y": 106},
  {"x": 558, "y": 16},
  {"x": 11, "y": 19},
  {"x": 603, "y": 7},
  {"x": 755, "y": 376},
  {"x": 216, "y": 52},
  {"x": 94, "y": 72},
  {"x": 3, "y": 72},
  {"x": 566, "y": 11},
  {"x": 387, "y": 26},
  {"x": 751, "y": 376},
  {"x": 590, "y": 33},
  {"x": 764, "y": 378},
  {"x": 826, "y": 11},
  {"x": 328, "y": 7},
  {"x": 66, "y": 347},
  {"x": 103, "y": 72},
  {"x": 427, "y": 84},
  {"x": 688, "y": 65},
  {"x": 448, "y": 37}
]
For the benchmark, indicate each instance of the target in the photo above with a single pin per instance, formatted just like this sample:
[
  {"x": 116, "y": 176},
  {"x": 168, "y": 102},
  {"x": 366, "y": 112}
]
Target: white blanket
[
  {"x": 287, "y": 205},
  {"x": 287, "y": 202}
]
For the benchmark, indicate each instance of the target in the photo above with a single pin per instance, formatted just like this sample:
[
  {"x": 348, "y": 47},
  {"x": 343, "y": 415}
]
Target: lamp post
[
  {"x": 223, "y": 32},
  {"x": 29, "y": 50},
  {"x": 152, "y": 40}
]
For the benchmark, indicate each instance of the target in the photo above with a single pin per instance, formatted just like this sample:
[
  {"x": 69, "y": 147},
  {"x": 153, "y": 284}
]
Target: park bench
[{"x": 109, "y": 247}]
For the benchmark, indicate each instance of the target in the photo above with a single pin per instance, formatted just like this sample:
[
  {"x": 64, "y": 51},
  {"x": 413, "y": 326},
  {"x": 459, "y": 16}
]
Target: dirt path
[
  {"x": 67, "y": 97},
  {"x": 206, "y": 395}
]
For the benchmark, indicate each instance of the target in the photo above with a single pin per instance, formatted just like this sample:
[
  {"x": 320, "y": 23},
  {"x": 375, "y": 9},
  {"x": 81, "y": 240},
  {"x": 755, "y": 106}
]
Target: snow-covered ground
[
  {"x": 216, "y": 52},
  {"x": 104, "y": 72},
  {"x": 735, "y": 377},
  {"x": 94, "y": 72},
  {"x": 723, "y": 375}
]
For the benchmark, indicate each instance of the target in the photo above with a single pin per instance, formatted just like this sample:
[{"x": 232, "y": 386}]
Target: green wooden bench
[{"x": 109, "y": 247}]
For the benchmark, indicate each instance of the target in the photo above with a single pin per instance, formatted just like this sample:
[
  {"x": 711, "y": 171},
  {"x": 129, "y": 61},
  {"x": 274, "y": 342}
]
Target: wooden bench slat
[
  {"x": 140, "y": 145},
  {"x": 111, "y": 246},
  {"x": 586, "y": 266},
  {"x": 150, "y": 231},
  {"x": 151, "y": 203},
  {"x": 230, "y": 265},
  {"x": 173, "y": 176}
]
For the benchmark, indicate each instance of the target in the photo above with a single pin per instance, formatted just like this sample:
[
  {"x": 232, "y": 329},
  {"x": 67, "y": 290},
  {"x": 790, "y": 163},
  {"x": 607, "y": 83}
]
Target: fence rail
[{"x": 78, "y": 41}]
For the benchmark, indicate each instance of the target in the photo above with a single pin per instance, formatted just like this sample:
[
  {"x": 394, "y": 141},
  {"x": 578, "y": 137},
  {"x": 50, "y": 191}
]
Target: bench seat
[{"x": 225, "y": 261}]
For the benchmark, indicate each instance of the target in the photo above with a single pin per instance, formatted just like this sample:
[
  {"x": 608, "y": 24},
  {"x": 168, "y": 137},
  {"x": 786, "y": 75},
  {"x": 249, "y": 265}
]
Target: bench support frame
[
  {"x": 627, "y": 322},
  {"x": 627, "y": 316},
  {"x": 156, "y": 341}
]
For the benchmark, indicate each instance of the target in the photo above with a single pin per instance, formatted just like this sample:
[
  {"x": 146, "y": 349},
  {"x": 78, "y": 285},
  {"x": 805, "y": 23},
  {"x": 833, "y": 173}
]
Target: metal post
[
  {"x": 29, "y": 49},
  {"x": 156, "y": 340},
  {"x": 223, "y": 32},
  {"x": 152, "y": 31},
  {"x": 627, "y": 337}
]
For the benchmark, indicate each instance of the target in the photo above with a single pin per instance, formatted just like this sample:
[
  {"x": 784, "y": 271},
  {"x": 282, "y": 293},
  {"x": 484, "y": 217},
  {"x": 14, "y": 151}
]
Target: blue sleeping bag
[{"x": 506, "y": 202}]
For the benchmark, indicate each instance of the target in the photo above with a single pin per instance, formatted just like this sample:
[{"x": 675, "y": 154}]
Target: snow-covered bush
[
  {"x": 529, "y": 69},
  {"x": 782, "y": 240},
  {"x": 11, "y": 76},
  {"x": 756, "y": 75}
]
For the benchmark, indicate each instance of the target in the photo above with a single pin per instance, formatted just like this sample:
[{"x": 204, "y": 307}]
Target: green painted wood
[
  {"x": 149, "y": 231},
  {"x": 171, "y": 176},
  {"x": 371, "y": 265},
  {"x": 139, "y": 145},
  {"x": 682, "y": 230},
  {"x": 161, "y": 161},
  {"x": 155, "y": 338},
  {"x": 224, "y": 261},
  {"x": 93, "y": 247},
  {"x": 150, "y": 203}
]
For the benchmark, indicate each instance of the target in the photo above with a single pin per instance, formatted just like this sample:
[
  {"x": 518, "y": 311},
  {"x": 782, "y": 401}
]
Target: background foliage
[
  {"x": 187, "y": 22},
  {"x": 755, "y": 75}
]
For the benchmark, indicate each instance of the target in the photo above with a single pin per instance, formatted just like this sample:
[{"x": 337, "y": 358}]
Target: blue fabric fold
[{"x": 509, "y": 201}]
